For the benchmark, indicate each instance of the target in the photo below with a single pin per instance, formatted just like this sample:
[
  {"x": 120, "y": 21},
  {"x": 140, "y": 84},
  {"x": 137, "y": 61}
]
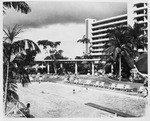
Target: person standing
[{"x": 39, "y": 78}]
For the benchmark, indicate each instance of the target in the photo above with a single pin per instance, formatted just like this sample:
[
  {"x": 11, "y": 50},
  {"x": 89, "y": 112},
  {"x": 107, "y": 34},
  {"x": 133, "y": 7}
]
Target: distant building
[{"x": 96, "y": 30}]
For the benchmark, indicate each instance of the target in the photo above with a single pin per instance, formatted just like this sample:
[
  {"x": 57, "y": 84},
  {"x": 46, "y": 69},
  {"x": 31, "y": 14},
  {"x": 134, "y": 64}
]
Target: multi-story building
[
  {"x": 97, "y": 30},
  {"x": 137, "y": 12}
]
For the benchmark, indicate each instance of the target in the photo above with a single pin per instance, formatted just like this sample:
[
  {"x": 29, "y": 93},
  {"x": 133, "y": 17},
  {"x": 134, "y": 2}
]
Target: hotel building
[{"x": 97, "y": 30}]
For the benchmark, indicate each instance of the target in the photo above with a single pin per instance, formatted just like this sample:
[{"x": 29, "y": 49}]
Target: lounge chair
[
  {"x": 75, "y": 81},
  {"x": 92, "y": 83},
  {"x": 113, "y": 86},
  {"x": 102, "y": 84},
  {"x": 120, "y": 86},
  {"x": 96, "y": 84},
  {"x": 140, "y": 90},
  {"x": 65, "y": 80},
  {"x": 127, "y": 88},
  {"x": 71, "y": 79},
  {"x": 88, "y": 82},
  {"x": 81, "y": 81}
]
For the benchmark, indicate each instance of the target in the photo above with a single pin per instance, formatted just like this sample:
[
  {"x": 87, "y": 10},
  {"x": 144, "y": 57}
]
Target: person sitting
[{"x": 26, "y": 111}]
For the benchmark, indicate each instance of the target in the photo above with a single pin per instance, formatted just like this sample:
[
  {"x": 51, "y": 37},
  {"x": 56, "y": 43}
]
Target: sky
[{"x": 61, "y": 21}]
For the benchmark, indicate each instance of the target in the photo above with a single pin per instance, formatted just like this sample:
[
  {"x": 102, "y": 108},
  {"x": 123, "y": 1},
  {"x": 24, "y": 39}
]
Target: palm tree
[
  {"x": 18, "y": 6},
  {"x": 52, "y": 51},
  {"x": 15, "y": 58},
  {"x": 119, "y": 47},
  {"x": 85, "y": 41},
  {"x": 136, "y": 36}
]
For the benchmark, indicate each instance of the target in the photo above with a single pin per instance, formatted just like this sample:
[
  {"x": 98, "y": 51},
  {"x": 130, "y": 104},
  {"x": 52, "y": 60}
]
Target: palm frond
[
  {"x": 18, "y": 6},
  {"x": 84, "y": 40},
  {"x": 12, "y": 33}
]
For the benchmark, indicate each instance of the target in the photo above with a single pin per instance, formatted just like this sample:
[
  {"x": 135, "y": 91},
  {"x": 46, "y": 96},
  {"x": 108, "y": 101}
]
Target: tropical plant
[
  {"x": 51, "y": 48},
  {"x": 136, "y": 37},
  {"x": 120, "y": 47},
  {"x": 85, "y": 41},
  {"x": 18, "y": 6},
  {"x": 15, "y": 59}
]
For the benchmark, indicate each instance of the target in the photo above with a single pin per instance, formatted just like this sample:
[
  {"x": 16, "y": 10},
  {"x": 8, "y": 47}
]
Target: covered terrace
[{"x": 75, "y": 61}]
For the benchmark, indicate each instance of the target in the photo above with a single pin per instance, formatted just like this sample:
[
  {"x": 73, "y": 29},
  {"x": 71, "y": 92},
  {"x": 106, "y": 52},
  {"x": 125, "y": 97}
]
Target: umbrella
[{"x": 141, "y": 63}]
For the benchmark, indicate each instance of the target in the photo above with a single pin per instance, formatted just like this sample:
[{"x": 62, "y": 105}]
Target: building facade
[{"x": 97, "y": 30}]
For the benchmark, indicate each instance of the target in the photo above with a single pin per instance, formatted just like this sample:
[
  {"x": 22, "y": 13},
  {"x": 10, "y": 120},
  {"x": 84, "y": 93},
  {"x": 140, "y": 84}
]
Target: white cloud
[
  {"x": 67, "y": 34},
  {"x": 61, "y": 21}
]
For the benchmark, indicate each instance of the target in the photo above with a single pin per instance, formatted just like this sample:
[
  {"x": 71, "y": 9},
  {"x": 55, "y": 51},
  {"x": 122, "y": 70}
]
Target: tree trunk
[
  {"x": 6, "y": 86},
  {"x": 55, "y": 68},
  {"x": 120, "y": 68},
  {"x": 86, "y": 48}
]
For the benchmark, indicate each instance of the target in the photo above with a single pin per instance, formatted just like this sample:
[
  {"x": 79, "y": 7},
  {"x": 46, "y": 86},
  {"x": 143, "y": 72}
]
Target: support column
[
  {"x": 47, "y": 68},
  {"x": 112, "y": 68},
  {"x": 61, "y": 65},
  {"x": 92, "y": 68},
  {"x": 76, "y": 68}
]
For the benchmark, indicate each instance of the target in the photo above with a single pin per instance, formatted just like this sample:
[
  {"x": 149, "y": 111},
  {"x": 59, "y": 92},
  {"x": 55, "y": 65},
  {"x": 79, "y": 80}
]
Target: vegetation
[
  {"x": 18, "y": 6},
  {"x": 85, "y": 41},
  {"x": 123, "y": 48},
  {"x": 136, "y": 36},
  {"x": 51, "y": 48},
  {"x": 15, "y": 55},
  {"x": 15, "y": 59}
]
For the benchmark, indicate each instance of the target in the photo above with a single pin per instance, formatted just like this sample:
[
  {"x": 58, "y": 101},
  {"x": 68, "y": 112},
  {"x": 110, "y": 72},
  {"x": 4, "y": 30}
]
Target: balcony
[
  {"x": 100, "y": 53},
  {"x": 110, "y": 24},
  {"x": 98, "y": 31},
  {"x": 139, "y": 9},
  {"x": 142, "y": 22},
  {"x": 100, "y": 40},
  {"x": 109, "y": 20},
  {"x": 94, "y": 50},
  {"x": 100, "y": 35},
  {"x": 98, "y": 45},
  {"x": 139, "y": 15}
]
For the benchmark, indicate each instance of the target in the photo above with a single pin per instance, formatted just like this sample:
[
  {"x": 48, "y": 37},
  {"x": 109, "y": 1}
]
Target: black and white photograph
[{"x": 75, "y": 59}]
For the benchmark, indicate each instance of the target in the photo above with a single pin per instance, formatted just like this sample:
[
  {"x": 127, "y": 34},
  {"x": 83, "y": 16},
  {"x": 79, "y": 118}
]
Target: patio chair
[
  {"x": 92, "y": 83},
  {"x": 81, "y": 81},
  {"x": 140, "y": 90},
  {"x": 113, "y": 86},
  {"x": 128, "y": 88},
  {"x": 75, "y": 81},
  {"x": 88, "y": 82},
  {"x": 96, "y": 84},
  {"x": 120, "y": 86},
  {"x": 102, "y": 84},
  {"x": 65, "y": 80}
]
